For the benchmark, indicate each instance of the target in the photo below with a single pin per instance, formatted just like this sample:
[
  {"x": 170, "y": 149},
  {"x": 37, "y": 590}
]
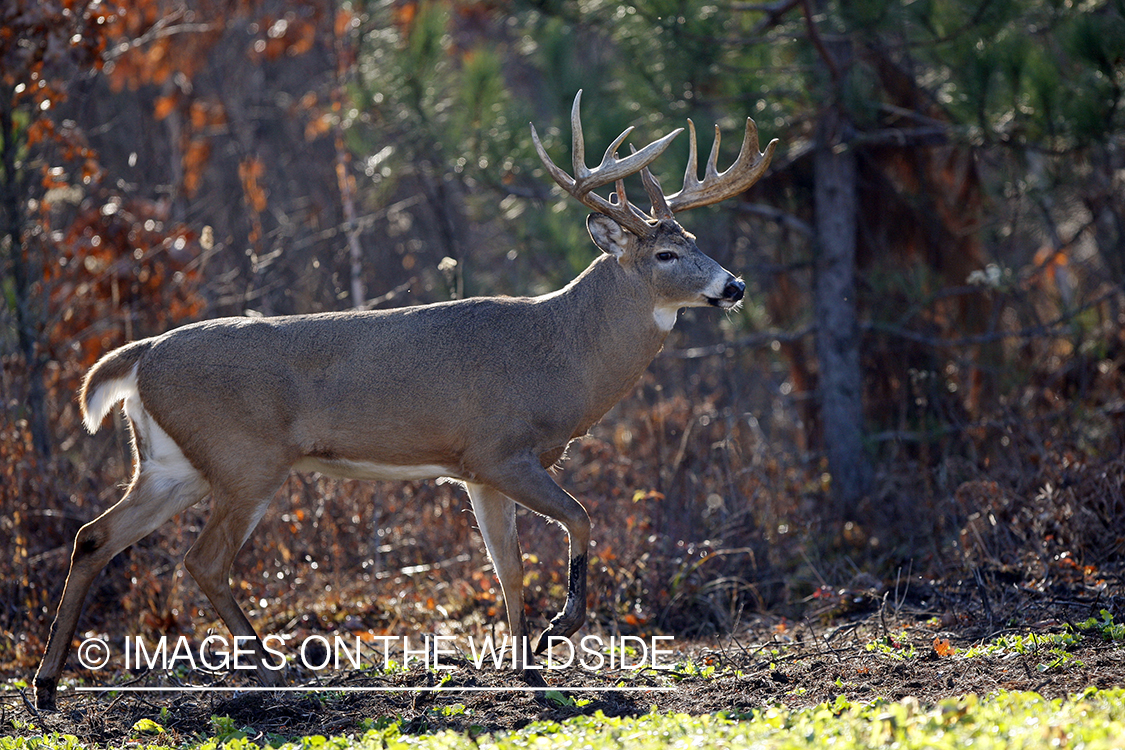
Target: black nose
[{"x": 734, "y": 290}]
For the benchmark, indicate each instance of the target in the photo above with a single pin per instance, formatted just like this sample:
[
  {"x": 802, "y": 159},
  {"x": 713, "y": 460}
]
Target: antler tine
[
  {"x": 611, "y": 169},
  {"x": 558, "y": 175},
  {"x": 712, "y": 170},
  {"x": 622, "y": 211},
  {"x": 716, "y": 186},
  {"x": 577, "y": 143},
  {"x": 660, "y": 210},
  {"x": 691, "y": 174},
  {"x": 609, "y": 159}
]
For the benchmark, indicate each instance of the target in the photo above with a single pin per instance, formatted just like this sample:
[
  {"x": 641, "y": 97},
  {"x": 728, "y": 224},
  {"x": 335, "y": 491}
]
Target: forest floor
[
  {"x": 931, "y": 645},
  {"x": 1030, "y": 597}
]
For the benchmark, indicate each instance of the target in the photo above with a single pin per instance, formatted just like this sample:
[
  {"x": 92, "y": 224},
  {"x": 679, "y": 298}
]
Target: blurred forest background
[{"x": 925, "y": 380}]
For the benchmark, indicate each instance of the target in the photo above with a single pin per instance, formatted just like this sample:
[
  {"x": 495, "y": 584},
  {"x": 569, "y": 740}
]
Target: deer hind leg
[
  {"x": 496, "y": 519},
  {"x": 154, "y": 496},
  {"x": 528, "y": 483},
  {"x": 209, "y": 563}
]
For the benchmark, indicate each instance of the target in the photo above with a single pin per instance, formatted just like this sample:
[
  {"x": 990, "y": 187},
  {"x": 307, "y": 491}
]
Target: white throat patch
[{"x": 665, "y": 316}]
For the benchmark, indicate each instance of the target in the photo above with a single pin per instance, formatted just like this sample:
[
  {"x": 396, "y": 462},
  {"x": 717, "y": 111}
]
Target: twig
[
  {"x": 1023, "y": 663},
  {"x": 1028, "y": 332},
  {"x": 818, "y": 43},
  {"x": 376, "y": 301},
  {"x": 776, "y": 214},
  {"x": 984, "y": 597},
  {"x": 30, "y": 708},
  {"x": 752, "y": 341},
  {"x": 740, "y": 646},
  {"x": 827, "y": 649},
  {"x": 898, "y": 577},
  {"x": 161, "y": 29},
  {"x": 766, "y": 338},
  {"x": 883, "y": 614},
  {"x": 842, "y": 629},
  {"x": 774, "y": 11},
  {"x": 919, "y": 436}
]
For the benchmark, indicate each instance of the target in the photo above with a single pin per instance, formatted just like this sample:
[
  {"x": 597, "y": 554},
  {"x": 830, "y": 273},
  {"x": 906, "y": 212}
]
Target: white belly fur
[{"x": 343, "y": 468}]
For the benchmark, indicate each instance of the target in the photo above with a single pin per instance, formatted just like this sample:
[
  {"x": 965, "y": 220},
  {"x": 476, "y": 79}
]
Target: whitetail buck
[{"x": 488, "y": 391}]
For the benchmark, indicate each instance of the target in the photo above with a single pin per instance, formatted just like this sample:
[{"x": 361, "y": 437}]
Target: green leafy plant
[
  {"x": 225, "y": 729},
  {"x": 1104, "y": 626},
  {"x": 454, "y": 709},
  {"x": 1024, "y": 644},
  {"x": 893, "y": 645},
  {"x": 146, "y": 726}
]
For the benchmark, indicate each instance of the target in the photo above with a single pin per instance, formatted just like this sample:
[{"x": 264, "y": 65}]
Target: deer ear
[{"x": 610, "y": 236}]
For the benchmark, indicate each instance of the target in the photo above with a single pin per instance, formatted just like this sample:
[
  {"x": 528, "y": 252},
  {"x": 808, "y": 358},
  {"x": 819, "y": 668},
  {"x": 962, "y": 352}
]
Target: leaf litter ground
[
  {"x": 883, "y": 652},
  {"x": 1040, "y": 555}
]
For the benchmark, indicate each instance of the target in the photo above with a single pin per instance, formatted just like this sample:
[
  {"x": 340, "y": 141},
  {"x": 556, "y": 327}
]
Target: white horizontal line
[{"x": 355, "y": 689}]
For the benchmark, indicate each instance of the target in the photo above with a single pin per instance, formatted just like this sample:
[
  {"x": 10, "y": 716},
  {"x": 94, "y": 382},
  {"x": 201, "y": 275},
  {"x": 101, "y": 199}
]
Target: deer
[{"x": 486, "y": 391}]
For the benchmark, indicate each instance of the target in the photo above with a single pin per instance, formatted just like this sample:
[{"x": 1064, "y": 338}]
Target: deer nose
[{"x": 734, "y": 290}]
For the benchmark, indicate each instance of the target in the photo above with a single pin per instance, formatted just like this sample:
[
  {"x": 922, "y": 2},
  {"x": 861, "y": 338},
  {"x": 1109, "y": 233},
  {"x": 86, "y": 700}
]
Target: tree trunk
[
  {"x": 27, "y": 325},
  {"x": 838, "y": 335}
]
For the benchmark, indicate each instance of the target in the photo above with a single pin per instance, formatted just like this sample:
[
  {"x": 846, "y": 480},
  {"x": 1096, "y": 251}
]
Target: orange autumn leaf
[
  {"x": 318, "y": 127},
  {"x": 194, "y": 160},
  {"x": 404, "y": 14},
  {"x": 164, "y": 106},
  {"x": 249, "y": 171},
  {"x": 343, "y": 21},
  {"x": 304, "y": 38}
]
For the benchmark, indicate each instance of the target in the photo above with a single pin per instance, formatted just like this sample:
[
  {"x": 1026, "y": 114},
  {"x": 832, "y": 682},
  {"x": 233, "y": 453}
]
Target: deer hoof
[
  {"x": 563, "y": 626},
  {"x": 534, "y": 679},
  {"x": 45, "y": 694}
]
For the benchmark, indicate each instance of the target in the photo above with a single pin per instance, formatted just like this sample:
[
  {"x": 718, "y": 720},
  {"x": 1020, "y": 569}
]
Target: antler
[
  {"x": 716, "y": 186},
  {"x": 611, "y": 169}
]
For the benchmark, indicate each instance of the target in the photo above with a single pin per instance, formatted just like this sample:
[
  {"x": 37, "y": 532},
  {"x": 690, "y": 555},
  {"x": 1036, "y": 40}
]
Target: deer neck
[{"x": 609, "y": 314}]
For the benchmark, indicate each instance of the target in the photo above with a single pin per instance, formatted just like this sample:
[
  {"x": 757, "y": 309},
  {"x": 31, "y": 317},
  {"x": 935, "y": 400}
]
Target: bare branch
[
  {"x": 160, "y": 30},
  {"x": 818, "y": 42},
  {"x": 766, "y": 338},
  {"x": 1030, "y": 332},
  {"x": 774, "y": 12},
  {"x": 751, "y": 341},
  {"x": 374, "y": 302},
  {"x": 776, "y": 214}
]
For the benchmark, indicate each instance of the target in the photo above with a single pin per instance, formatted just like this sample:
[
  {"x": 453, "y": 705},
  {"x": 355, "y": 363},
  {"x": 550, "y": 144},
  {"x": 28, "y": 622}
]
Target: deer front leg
[
  {"x": 496, "y": 519},
  {"x": 567, "y": 622},
  {"x": 528, "y": 483}
]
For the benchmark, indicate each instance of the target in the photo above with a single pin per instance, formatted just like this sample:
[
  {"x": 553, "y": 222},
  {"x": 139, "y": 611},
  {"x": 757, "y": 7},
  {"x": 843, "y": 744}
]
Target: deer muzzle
[{"x": 733, "y": 292}]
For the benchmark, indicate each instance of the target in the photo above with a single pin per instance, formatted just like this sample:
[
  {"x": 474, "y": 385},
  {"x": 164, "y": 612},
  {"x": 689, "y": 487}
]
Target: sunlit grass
[{"x": 1093, "y": 720}]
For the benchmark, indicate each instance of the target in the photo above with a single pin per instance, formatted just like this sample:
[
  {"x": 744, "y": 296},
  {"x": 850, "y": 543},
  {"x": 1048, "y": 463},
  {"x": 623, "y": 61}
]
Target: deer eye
[{"x": 666, "y": 256}]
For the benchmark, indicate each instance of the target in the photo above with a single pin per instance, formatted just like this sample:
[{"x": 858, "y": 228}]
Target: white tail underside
[{"x": 106, "y": 396}]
